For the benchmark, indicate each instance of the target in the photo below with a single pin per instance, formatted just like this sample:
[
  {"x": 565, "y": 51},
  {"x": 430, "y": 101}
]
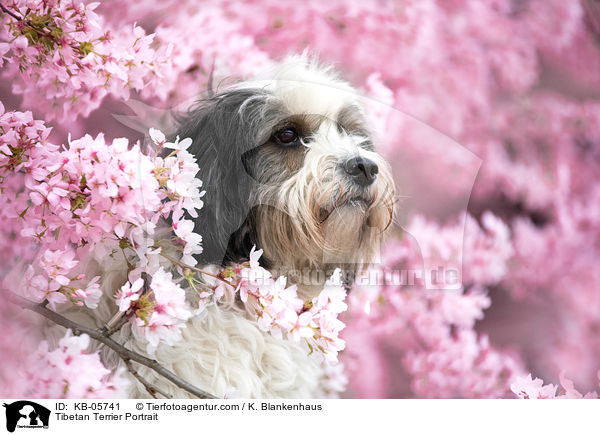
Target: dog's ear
[{"x": 223, "y": 128}]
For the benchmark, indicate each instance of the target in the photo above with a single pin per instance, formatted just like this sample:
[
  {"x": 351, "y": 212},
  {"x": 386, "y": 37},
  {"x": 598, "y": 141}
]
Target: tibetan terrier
[{"x": 288, "y": 166}]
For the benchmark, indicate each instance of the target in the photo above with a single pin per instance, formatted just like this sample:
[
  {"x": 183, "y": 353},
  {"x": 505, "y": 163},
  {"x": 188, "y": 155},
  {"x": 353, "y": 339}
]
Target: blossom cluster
[
  {"x": 441, "y": 352},
  {"x": 529, "y": 388},
  {"x": 93, "y": 199},
  {"x": 161, "y": 312},
  {"x": 64, "y": 60},
  {"x": 280, "y": 311},
  {"x": 43, "y": 367},
  {"x": 54, "y": 281},
  {"x": 70, "y": 371},
  {"x": 19, "y": 133}
]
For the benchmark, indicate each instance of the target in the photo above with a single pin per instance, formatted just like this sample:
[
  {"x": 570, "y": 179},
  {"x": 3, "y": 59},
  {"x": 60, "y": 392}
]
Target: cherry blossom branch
[{"x": 124, "y": 353}]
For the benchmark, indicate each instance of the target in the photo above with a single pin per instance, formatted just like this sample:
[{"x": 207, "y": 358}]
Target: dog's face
[{"x": 289, "y": 166}]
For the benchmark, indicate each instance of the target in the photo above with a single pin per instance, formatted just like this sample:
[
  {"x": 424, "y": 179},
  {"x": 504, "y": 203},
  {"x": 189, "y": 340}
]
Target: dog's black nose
[{"x": 363, "y": 171}]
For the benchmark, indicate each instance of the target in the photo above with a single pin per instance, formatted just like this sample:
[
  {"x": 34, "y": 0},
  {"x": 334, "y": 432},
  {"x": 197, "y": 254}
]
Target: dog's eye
[{"x": 287, "y": 136}]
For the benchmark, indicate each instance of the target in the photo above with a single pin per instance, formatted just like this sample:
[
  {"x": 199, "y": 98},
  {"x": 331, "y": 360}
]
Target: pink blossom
[
  {"x": 157, "y": 136},
  {"x": 169, "y": 296},
  {"x": 528, "y": 388},
  {"x": 57, "y": 264},
  {"x": 128, "y": 294}
]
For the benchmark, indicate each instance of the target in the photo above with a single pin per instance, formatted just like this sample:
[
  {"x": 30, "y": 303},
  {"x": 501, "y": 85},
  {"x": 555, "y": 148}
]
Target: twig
[
  {"x": 15, "y": 16},
  {"x": 115, "y": 323},
  {"x": 151, "y": 389},
  {"x": 121, "y": 350},
  {"x": 195, "y": 269},
  {"x": 28, "y": 23}
]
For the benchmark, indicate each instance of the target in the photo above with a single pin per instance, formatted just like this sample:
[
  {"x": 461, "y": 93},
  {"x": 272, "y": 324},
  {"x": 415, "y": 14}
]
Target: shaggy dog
[{"x": 289, "y": 167}]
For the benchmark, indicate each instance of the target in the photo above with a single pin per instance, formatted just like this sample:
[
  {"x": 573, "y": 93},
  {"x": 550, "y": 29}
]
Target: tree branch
[
  {"x": 124, "y": 353},
  {"x": 15, "y": 16},
  {"x": 115, "y": 323}
]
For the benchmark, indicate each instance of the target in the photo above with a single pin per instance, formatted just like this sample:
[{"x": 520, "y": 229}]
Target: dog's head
[{"x": 288, "y": 165}]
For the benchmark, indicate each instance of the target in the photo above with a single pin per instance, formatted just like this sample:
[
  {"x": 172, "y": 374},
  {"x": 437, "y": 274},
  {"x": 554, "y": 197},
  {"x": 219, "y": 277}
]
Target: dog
[{"x": 289, "y": 167}]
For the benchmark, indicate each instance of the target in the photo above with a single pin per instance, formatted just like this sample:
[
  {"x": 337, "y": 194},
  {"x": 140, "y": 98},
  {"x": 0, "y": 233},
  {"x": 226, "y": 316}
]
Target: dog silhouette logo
[{"x": 26, "y": 414}]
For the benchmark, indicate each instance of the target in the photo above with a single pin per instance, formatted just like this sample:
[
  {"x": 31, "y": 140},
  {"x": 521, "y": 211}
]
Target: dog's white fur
[{"x": 222, "y": 350}]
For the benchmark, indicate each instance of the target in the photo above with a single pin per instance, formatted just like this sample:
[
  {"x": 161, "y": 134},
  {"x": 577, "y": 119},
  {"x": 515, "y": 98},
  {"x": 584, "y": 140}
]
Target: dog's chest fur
[{"x": 227, "y": 355}]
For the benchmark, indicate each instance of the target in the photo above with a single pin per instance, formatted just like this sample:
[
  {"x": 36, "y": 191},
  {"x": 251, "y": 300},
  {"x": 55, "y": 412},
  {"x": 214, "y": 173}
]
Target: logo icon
[{"x": 26, "y": 414}]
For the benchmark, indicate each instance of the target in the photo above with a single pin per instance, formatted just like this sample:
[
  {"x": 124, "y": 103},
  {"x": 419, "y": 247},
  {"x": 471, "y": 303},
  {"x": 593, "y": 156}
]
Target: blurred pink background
[{"x": 489, "y": 113}]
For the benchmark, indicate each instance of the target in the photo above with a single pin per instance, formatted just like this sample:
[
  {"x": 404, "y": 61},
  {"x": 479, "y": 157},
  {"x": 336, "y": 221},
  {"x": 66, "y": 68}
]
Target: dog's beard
[{"x": 353, "y": 225}]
